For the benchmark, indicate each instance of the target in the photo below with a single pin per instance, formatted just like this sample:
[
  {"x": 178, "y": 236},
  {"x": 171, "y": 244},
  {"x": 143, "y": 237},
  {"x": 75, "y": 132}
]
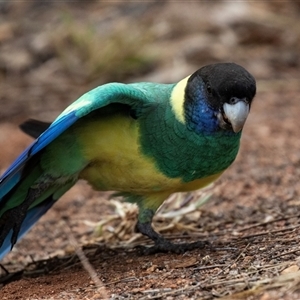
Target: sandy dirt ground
[{"x": 86, "y": 246}]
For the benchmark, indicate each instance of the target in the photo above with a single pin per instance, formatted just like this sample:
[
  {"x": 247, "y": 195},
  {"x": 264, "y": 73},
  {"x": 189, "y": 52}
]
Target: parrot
[{"x": 144, "y": 141}]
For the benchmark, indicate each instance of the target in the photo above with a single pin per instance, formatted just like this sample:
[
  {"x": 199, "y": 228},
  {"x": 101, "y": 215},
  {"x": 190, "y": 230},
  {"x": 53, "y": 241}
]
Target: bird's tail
[
  {"x": 31, "y": 195},
  {"x": 31, "y": 218}
]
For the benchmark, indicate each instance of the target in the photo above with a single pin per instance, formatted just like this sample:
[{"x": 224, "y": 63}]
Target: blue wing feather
[
  {"x": 14, "y": 173},
  {"x": 134, "y": 95},
  {"x": 94, "y": 99}
]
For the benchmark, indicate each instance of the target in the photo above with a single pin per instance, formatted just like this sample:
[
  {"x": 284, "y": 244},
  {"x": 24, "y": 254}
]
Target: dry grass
[{"x": 89, "y": 54}]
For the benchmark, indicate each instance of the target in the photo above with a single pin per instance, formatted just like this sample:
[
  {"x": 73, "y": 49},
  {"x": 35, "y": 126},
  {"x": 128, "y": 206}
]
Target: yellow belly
[{"x": 117, "y": 164}]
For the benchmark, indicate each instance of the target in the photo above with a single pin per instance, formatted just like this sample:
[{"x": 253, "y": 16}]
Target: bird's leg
[{"x": 161, "y": 244}]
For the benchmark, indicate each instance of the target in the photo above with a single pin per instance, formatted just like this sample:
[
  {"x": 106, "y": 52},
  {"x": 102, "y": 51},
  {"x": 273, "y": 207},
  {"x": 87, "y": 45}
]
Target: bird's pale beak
[{"x": 236, "y": 114}]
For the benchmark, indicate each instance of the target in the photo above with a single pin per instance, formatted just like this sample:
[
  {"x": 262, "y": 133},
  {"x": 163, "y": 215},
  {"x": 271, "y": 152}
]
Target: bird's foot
[{"x": 164, "y": 246}]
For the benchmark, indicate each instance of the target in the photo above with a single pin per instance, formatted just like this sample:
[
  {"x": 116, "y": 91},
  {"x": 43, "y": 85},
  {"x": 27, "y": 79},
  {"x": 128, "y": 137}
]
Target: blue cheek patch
[{"x": 202, "y": 118}]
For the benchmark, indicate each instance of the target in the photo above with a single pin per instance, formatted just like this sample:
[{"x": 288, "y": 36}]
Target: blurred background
[{"x": 51, "y": 52}]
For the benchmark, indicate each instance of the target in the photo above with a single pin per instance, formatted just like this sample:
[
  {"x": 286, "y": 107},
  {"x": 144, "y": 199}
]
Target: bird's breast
[
  {"x": 111, "y": 145},
  {"x": 117, "y": 161}
]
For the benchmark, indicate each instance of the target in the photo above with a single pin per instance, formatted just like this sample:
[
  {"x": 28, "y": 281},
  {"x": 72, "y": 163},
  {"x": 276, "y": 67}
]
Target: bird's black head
[{"x": 226, "y": 89}]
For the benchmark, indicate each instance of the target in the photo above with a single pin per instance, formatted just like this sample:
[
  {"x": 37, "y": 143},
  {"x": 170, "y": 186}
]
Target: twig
[
  {"x": 4, "y": 269},
  {"x": 86, "y": 264},
  {"x": 268, "y": 222},
  {"x": 126, "y": 279},
  {"x": 229, "y": 265},
  {"x": 286, "y": 253},
  {"x": 270, "y": 232},
  {"x": 209, "y": 267},
  {"x": 163, "y": 294}
]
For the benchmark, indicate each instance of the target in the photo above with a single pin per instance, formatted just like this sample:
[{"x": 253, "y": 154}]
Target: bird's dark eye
[{"x": 208, "y": 89}]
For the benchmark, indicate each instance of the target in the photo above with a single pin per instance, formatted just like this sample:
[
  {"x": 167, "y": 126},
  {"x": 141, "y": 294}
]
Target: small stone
[{"x": 152, "y": 269}]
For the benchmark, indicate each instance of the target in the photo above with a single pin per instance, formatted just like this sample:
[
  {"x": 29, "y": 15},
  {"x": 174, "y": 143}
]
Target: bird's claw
[{"x": 164, "y": 246}]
